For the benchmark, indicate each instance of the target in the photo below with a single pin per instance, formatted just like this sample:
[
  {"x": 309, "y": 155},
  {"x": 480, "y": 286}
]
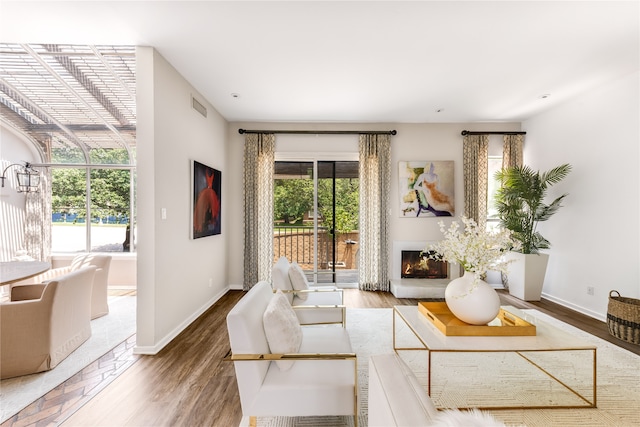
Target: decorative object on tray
[
  {"x": 470, "y": 298},
  {"x": 504, "y": 324},
  {"x": 623, "y": 317}
]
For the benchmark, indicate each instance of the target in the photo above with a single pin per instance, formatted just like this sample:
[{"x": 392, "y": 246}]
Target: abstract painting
[
  {"x": 426, "y": 188},
  {"x": 206, "y": 200}
]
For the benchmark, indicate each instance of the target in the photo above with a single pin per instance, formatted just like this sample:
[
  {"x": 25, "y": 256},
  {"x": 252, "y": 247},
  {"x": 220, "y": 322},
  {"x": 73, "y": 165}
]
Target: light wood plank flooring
[{"x": 189, "y": 384}]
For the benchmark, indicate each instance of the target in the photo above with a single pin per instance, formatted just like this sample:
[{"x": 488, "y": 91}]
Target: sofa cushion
[
  {"x": 395, "y": 396},
  {"x": 298, "y": 280},
  {"x": 308, "y": 381},
  {"x": 318, "y": 315},
  {"x": 280, "y": 277},
  {"x": 282, "y": 328}
]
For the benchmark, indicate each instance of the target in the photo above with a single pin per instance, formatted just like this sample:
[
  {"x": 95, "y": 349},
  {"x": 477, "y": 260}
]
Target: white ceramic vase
[{"x": 476, "y": 304}]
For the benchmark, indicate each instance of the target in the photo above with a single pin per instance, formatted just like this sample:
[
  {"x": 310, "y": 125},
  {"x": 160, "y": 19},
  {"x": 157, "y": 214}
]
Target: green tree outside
[
  {"x": 294, "y": 197},
  {"x": 110, "y": 188}
]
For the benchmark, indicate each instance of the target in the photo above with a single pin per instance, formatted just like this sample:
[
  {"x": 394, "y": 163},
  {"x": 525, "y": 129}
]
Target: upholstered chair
[
  {"x": 312, "y": 304},
  {"x": 285, "y": 369},
  {"x": 99, "y": 295},
  {"x": 44, "y": 323}
]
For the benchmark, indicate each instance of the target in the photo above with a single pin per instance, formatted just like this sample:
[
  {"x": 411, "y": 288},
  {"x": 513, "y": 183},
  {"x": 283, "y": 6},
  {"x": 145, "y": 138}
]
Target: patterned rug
[{"x": 496, "y": 379}]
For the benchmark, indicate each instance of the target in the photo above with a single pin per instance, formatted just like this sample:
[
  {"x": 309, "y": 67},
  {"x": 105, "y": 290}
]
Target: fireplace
[{"x": 416, "y": 265}]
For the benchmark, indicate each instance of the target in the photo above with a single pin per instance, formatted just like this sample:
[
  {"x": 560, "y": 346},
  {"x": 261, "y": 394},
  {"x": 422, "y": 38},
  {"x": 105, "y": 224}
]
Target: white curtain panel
[
  {"x": 37, "y": 222},
  {"x": 258, "y": 207},
  {"x": 375, "y": 180}
]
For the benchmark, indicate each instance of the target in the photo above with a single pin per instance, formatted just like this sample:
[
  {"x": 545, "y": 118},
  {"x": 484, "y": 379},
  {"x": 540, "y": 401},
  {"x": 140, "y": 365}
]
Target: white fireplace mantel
[{"x": 416, "y": 288}]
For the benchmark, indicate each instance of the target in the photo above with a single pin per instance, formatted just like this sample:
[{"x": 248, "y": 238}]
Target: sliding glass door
[{"x": 316, "y": 220}]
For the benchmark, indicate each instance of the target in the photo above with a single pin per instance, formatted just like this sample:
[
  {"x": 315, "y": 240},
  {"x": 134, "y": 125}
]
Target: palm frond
[{"x": 520, "y": 202}]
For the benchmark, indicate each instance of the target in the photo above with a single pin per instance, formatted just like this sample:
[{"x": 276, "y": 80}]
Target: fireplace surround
[{"x": 420, "y": 287}]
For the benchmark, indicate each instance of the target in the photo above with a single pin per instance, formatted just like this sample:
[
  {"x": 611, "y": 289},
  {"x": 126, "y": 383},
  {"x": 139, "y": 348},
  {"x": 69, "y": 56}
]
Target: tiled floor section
[{"x": 60, "y": 403}]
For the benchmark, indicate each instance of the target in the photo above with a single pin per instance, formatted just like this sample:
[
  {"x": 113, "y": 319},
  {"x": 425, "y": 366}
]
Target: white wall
[
  {"x": 13, "y": 149},
  {"x": 178, "y": 277},
  {"x": 595, "y": 236},
  {"x": 413, "y": 142}
]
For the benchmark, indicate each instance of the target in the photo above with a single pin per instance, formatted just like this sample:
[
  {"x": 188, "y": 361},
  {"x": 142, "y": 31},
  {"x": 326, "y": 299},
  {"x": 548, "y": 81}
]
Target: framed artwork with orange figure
[
  {"x": 206, "y": 200},
  {"x": 426, "y": 188}
]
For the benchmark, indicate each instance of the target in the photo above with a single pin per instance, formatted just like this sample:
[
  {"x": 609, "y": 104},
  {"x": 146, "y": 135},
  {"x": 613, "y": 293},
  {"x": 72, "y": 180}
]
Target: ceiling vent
[{"x": 198, "y": 107}]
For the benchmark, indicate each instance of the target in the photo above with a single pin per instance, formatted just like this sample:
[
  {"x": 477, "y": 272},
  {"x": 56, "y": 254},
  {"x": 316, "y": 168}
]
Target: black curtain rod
[
  {"x": 324, "y": 132},
  {"x": 489, "y": 132}
]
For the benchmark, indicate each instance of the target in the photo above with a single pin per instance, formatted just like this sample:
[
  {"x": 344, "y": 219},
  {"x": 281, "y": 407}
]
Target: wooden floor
[{"x": 189, "y": 384}]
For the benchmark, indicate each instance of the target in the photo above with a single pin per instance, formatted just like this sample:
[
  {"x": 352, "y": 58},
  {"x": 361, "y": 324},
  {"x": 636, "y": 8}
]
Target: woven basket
[{"x": 623, "y": 317}]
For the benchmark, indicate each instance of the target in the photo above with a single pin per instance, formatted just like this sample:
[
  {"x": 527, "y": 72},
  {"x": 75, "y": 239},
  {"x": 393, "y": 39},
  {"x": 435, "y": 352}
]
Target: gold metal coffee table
[{"x": 548, "y": 340}]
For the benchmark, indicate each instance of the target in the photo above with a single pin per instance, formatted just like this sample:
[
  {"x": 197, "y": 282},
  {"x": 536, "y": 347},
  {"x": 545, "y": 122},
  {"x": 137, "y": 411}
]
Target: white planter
[{"x": 526, "y": 275}]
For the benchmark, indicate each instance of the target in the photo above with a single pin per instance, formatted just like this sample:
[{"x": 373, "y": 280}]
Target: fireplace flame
[{"x": 408, "y": 269}]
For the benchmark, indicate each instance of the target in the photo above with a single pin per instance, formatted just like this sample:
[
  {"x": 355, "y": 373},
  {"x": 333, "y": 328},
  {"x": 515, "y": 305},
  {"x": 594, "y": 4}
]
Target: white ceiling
[{"x": 360, "y": 61}]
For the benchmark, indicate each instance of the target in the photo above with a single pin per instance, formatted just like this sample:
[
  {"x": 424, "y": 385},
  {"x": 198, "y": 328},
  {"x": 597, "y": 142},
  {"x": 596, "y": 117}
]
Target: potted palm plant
[{"x": 520, "y": 202}]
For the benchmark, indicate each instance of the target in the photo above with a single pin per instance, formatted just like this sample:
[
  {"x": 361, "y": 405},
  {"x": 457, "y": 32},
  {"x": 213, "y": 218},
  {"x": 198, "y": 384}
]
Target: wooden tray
[{"x": 506, "y": 324}]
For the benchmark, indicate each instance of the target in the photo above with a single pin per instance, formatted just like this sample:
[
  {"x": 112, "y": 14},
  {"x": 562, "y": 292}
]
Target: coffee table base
[{"x": 585, "y": 402}]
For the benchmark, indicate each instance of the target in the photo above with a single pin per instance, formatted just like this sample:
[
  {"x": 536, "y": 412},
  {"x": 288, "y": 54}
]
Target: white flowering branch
[{"x": 475, "y": 249}]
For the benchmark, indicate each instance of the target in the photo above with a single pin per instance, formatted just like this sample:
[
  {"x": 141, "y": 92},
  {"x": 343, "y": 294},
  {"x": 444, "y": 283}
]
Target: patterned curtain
[
  {"x": 37, "y": 222},
  {"x": 512, "y": 151},
  {"x": 475, "y": 158},
  {"x": 258, "y": 207},
  {"x": 375, "y": 179}
]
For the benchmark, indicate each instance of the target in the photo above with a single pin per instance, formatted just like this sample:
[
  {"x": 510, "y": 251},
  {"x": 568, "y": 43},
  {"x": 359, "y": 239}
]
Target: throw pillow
[
  {"x": 282, "y": 328},
  {"x": 298, "y": 280},
  {"x": 280, "y": 278},
  {"x": 471, "y": 418}
]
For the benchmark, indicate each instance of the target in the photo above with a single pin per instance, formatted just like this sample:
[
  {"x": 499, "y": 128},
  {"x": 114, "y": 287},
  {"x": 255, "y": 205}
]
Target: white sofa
[
  {"x": 320, "y": 380},
  {"x": 318, "y": 305},
  {"x": 396, "y": 399},
  {"x": 395, "y": 396}
]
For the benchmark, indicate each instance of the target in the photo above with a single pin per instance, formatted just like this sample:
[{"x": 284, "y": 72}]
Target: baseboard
[
  {"x": 598, "y": 316},
  {"x": 152, "y": 350}
]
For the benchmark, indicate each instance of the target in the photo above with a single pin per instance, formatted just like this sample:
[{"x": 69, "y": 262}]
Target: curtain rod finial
[
  {"x": 393, "y": 132},
  {"x": 241, "y": 131},
  {"x": 464, "y": 132}
]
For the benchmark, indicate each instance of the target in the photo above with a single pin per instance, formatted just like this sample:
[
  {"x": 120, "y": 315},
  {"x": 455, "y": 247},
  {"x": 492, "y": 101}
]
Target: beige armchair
[
  {"x": 99, "y": 295},
  {"x": 44, "y": 323}
]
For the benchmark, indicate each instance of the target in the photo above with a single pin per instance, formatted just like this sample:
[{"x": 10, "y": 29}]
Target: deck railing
[{"x": 296, "y": 243}]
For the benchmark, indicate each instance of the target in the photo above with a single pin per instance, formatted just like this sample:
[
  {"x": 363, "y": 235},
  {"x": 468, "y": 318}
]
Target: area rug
[
  {"x": 618, "y": 379},
  {"x": 106, "y": 333}
]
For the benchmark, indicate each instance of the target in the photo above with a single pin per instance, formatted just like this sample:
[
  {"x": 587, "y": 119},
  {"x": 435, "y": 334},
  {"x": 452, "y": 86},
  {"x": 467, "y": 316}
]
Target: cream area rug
[
  {"x": 106, "y": 333},
  {"x": 486, "y": 379}
]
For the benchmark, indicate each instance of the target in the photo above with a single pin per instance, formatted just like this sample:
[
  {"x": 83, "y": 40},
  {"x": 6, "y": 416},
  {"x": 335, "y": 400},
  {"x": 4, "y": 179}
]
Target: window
[
  {"x": 494, "y": 165},
  {"x": 92, "y": 204}
]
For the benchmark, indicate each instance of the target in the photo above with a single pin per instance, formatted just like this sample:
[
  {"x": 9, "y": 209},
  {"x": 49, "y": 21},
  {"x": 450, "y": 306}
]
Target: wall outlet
[
  {"x": 210, "y": 282},
  {"x": 590, "y": 290}
]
